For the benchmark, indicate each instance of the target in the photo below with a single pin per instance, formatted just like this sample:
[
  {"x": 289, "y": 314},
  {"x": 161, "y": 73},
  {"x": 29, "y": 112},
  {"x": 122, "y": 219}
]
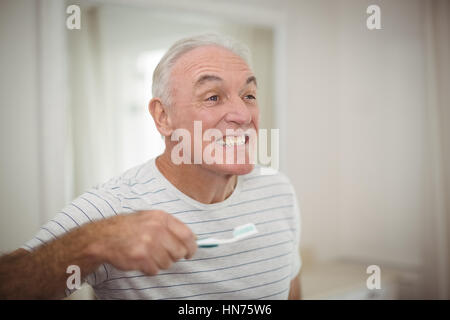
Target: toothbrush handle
[{"x": 208, "y": 245}]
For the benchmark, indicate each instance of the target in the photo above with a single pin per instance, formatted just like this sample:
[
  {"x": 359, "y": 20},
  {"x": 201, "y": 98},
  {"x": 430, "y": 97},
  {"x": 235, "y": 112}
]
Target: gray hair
[{"x": 161, "y": 75}]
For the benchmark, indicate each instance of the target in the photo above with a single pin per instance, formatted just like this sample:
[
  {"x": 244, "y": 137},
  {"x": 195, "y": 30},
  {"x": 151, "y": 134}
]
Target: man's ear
[{"x": 160, "y": 116}]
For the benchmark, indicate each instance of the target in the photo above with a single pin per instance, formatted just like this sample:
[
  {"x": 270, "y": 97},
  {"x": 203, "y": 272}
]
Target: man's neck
[{"x": 196, "y": 182}]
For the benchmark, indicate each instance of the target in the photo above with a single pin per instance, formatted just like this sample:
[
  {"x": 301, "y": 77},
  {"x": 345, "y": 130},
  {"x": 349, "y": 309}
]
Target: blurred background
[{"x": 364, "y": 119}]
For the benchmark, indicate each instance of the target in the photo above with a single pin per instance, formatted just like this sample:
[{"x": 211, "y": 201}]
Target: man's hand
[{"x": 147, "y": 241}]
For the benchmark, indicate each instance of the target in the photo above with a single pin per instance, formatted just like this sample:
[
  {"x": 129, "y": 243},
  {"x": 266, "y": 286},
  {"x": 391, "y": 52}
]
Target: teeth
[{"x": 232, "y": 141}]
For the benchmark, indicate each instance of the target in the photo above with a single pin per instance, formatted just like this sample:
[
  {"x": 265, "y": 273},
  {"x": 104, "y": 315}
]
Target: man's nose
[{"x": 238, "y": 112}]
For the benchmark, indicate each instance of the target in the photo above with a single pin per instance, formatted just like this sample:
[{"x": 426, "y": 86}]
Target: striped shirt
[{"x": 258, "y": 267}]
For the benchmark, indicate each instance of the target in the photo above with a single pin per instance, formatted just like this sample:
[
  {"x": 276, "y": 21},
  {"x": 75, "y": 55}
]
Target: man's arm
[
  {"x": 295, "y": 289},
  {"x": 147, "y": 241},
  {"x": 41, "y": 274}
]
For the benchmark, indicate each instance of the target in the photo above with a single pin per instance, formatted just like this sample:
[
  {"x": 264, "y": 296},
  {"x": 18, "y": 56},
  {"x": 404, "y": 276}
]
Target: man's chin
[{"x": 232, "y": 169}]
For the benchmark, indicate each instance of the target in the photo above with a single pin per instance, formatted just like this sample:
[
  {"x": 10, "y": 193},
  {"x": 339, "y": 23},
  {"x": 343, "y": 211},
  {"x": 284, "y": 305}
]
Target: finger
[
  {"x": 149, "y": 267},
  {"x": 192, "y": 248},
  {"x": 163, "y": 259},
  {"x": 174, "y": 246},
  {"x": 184, "y": 234}
]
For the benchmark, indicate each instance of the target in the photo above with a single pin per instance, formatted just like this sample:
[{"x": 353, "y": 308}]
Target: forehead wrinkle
[
  {"x": 218, "y": 59},
  {"x": 212, "y": 67},
  {"x": 219, "y": 63}
]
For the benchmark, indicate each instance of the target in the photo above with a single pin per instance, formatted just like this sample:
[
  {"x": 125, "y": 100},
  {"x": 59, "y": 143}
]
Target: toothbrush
[{"x": 239, "y": 233}]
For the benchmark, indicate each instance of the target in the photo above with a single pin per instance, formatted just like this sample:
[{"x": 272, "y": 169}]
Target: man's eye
[
  {"x": 213, "y": 98},
  {"x": 250, "y": 96}
]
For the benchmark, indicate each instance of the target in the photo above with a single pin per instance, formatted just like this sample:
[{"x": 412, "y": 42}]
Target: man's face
[{"x": 213, "y": 85}]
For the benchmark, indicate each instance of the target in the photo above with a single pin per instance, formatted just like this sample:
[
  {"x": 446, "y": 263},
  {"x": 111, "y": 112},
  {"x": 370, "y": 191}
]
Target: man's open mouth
[{"x": 231, "y": 141}]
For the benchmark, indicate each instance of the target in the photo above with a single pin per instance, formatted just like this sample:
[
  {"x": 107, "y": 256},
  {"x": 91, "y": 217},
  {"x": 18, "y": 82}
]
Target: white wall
[
  {"x": 19, "y": 162},
  {"x": 359, "y": 155},
  {"x": 35, "y": 171},
  {"x": 355, "y": 110},
  {"x": 382, "y": 107},
  {"x": 311, "y": 123}
]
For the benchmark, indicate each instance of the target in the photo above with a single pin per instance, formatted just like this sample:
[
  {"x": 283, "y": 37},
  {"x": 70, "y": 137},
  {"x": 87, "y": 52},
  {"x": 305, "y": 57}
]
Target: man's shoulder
[
  {"x": 127, "y": 182},
  {"x": 130, "y": 175}
]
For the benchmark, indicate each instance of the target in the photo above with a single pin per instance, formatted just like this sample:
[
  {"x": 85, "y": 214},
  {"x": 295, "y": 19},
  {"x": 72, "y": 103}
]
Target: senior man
[{"x": 134, "y": 237}]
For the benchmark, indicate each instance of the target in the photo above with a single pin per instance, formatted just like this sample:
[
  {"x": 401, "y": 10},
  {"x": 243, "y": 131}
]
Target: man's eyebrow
[
  {"x": 205, "y": 78},
  {"x": 210, "y": 77},
  {"x": 251, "y": 79}
]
